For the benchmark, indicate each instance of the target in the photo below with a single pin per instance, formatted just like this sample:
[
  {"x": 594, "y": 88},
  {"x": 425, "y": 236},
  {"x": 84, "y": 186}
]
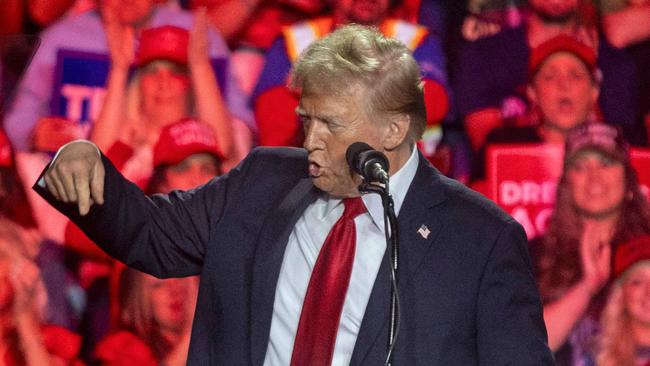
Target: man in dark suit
[{"x": 258, "y": 236}]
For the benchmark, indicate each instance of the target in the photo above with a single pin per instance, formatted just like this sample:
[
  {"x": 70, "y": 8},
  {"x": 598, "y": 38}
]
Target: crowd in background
[{"x": 188, "y": 87}]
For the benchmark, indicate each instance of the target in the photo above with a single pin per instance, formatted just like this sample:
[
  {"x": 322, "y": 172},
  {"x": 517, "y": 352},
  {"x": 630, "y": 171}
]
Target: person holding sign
[{"x": 599, "y": 205}]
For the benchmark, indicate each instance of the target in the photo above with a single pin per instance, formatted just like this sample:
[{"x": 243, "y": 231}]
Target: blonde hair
[
  {"x": 134, "y": 114},
  {"x": 356, "y": 58},
  {"x": 617, "y": 344}
]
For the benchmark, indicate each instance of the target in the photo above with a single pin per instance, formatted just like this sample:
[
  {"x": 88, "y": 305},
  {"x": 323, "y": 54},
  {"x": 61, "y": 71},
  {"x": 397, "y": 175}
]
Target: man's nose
[{"x": 312, "y": 134}]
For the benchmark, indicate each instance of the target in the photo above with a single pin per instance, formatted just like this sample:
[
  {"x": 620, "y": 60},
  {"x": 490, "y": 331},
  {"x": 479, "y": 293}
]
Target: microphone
[{"x": 371, "y": 164}]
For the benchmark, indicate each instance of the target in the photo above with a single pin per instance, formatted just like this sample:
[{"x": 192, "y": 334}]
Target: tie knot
[{"x": 353, "y": 207}]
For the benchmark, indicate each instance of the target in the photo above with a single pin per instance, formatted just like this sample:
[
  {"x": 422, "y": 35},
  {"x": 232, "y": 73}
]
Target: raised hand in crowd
[
  {"x": 564, "y": 313},
  {"x": 210, "y": 106},
  {"x": 120, "y": 39},
  {"x": 595, "y": 255}
]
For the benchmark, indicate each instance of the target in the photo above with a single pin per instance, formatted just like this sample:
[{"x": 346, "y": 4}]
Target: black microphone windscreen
[{"x": 352, "y": 155}]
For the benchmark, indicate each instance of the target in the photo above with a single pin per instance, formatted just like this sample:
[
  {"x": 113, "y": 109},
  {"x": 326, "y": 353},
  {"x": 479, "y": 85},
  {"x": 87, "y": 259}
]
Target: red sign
[{"x": 522, "y": 179}]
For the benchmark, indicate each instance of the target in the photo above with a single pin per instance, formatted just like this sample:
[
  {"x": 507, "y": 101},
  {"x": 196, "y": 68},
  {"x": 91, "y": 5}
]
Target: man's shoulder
[{"x": 470, "y": 206}]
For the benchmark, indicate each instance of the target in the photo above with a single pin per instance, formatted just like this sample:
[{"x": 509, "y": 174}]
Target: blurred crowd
[{"x": 177, "y": 92}]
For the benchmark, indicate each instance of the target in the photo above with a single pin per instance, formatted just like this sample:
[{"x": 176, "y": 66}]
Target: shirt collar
[{"x": 398, "y": 185}]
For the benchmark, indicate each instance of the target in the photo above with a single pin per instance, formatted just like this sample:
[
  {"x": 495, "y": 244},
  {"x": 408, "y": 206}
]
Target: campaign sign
[
  {"x": 522, "y": 179},
  {"x": 79, "y": 84}
]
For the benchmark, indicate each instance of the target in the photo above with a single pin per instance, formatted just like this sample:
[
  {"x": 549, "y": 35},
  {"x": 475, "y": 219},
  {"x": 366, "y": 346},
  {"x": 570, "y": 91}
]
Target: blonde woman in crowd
[
  {"x": 625, "y": 337},
  {"x": 173, "y": 80}
]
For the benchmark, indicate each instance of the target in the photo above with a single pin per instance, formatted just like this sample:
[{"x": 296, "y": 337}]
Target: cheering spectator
[
  {"x": 87, "y": 33},
  {"x": 490, "y": 80},
  {"x": 174, "y": 80},
  {"x": 599, "y": 205},
  {"x": 625, "y": 336},
  {"x": 563, "y": 88}
]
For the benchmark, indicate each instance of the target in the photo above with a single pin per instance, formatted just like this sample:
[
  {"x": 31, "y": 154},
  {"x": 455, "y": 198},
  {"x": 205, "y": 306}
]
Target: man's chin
[{"x": 335, "y": 190}]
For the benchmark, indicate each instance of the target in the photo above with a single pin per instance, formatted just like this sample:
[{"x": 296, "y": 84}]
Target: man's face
[
  {"x": 128, "y": 12},
  {"x": 555, "y": 10},
  {"x": 564, "y": 91},
  {"x": 367, "y": 12},
  {"x": 332, "y": 123}
]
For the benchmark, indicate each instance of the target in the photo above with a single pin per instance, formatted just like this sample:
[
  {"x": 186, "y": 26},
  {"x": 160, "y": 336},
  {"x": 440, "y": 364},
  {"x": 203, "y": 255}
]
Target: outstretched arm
[{"x": 163, "y": 235}]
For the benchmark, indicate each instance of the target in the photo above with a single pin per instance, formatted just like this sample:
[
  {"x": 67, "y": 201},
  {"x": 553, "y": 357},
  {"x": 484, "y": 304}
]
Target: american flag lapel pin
[{"x": 424, "y": 231}]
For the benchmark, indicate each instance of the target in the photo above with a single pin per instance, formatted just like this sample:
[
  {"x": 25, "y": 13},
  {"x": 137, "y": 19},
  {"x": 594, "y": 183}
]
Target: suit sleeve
[
  {"x": 510, "y": 324},
  {"x": 164, "y": 235}
]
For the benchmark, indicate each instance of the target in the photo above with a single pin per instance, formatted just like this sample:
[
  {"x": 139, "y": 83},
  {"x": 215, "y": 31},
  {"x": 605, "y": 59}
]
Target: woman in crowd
[
  {"x": 598, "y": 206},
  {"x": 154, "y": 322},
  {"x": 173, "y": 80},
  {"x": 625, "y": 336}
]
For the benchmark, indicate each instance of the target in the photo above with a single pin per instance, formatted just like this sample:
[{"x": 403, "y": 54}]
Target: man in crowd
[
  {"x": 276, "y": 288},
  {"x": 492, "y": 73},
  {"x": 563, "y": 88}
]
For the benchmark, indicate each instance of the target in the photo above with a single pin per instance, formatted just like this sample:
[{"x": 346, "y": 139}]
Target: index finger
[
  {"x": 82, "y": 186},
  {"x": 97, "y": 183}
]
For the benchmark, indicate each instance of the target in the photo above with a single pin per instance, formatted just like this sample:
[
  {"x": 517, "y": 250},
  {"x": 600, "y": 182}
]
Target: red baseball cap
[
  {"x": 181, "y": 139},
  {"x": 597, "y": 136},
  {"x": 5, "y": 151},
  {"x": 631, "y": 253},
  {"x": 562, "y": 43},
  {"x": 163, "y": 43}
]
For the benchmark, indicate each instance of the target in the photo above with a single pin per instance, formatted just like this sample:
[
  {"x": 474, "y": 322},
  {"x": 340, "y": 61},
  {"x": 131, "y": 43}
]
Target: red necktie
[{"x": 321, "y": 310}]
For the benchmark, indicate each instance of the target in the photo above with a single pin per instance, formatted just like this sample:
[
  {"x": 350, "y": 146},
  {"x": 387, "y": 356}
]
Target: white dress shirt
[{"x": 301, "y": 253}]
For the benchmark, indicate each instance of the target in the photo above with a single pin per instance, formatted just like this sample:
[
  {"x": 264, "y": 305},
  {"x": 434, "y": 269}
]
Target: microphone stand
[{"x": 392, "y": 243}]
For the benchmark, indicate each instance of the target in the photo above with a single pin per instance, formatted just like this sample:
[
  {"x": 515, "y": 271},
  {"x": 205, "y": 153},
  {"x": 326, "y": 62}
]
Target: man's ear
[{"x": 398, "y": 129}]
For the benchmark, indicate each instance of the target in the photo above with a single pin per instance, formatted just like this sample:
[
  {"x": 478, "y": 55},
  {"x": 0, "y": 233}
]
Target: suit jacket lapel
[
  {"x": 268, "y": 260},
  {"x": 423, "y": 194}
]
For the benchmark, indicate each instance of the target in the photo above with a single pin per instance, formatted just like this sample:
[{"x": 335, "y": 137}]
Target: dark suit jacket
[{"x": 467, "y": 292}]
